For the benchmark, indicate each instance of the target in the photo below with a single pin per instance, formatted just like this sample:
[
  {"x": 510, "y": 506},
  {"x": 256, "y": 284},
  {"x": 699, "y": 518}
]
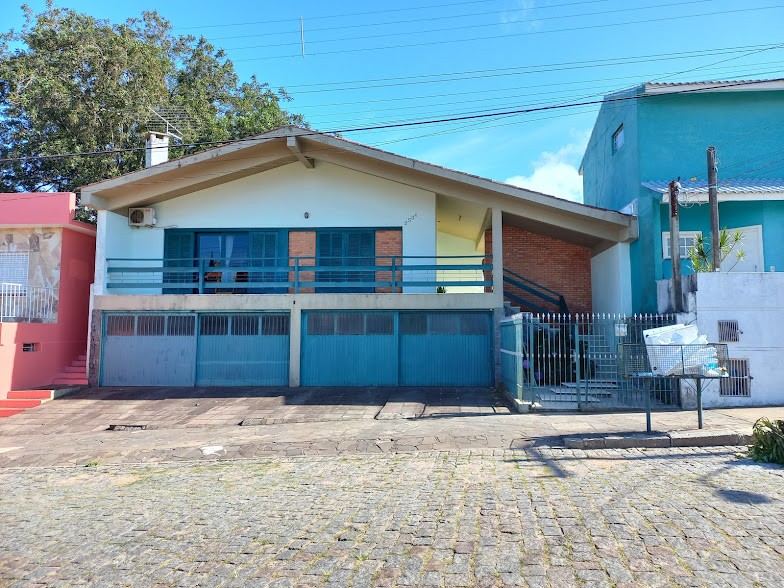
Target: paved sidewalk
[{"x": 59, "y": 434}]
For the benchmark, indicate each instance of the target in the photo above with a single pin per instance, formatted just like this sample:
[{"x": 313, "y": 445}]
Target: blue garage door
[
  {"x": 349, "y": 349},
  {"x": 397, "y": 349},
  {"x": 243, "y": 350},
  {"x": 195, "y": 349},
  {"x": 148, "y": 350},
  {"x": 446, "y": 349}
]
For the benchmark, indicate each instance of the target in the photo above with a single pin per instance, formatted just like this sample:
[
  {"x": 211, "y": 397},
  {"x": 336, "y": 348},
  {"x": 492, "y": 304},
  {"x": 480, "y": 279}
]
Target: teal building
[{"x": 650, "y": 134}]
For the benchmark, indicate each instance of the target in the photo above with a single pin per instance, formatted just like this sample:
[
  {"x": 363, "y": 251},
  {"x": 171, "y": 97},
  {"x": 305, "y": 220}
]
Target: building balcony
[
  {"x": 20, "y": 303},
  {"x": 300, "y": 275}
]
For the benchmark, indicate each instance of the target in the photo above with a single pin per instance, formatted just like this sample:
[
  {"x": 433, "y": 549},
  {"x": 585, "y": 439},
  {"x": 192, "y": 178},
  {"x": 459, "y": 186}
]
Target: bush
[{"x": 768, "y": 441}]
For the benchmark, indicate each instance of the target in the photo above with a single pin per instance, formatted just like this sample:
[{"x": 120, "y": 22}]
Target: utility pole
[
  {"x": 713, "y": 201},
  {"x": 675, "y": 248}
]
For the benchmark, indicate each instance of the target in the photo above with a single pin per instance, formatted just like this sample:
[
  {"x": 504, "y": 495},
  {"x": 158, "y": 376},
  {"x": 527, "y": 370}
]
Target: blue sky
[{"x": 377, "y": 63}]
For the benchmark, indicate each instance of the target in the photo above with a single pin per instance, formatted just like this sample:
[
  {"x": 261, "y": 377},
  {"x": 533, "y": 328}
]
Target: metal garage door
[
  {"x": 446, "y": 349},
  {"x": 148, "y": 350},
  {"x": 349, "y": 349},
  {"x": 196, "y": 349},
  {"x": 243, "y": 350},
  {"x": 397, "y": 348}
]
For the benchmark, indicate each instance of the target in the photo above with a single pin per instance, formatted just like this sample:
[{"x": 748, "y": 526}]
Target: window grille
[
  {"x": 617, "y": 139},
  {"x": 151, "y": 325},
  {"x": 739, "y": 381},
  {"x": 729, "y": 332},
  {"x": 13, "y": 268},
  {"x": 120, "y": 326}
]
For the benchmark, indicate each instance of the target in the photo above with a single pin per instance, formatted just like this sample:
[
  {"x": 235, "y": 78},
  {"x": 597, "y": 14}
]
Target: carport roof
[{"x": 587, "y": 225}]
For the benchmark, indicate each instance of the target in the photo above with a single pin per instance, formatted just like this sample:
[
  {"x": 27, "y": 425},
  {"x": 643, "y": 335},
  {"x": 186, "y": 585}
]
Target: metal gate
[
  {"x": 396, "y": 348},
  {"x": 571, "y": 361},
  {"x": 187, "y": 349}
]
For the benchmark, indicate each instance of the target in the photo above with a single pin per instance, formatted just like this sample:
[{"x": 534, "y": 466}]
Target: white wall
[
  {"x": 332, "y": 196},
  {"x": 611, "y": 284},
  {"x": 756, "y": 301},
  {"x": 447, "y": 244},
  {"x": 116, "y": 239}
]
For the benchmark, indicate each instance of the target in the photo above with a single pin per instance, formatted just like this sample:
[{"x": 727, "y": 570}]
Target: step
[
  {"x": 81, "y": 363},
  {"x": 76, "y": 369},
  {"x": 11, "y": 403},
  {"x": 30, "y": 395},
  {"x": 7, "y": 412},
  {"x": 82, "y": 357},
  {"x": 69, "y": 381}
]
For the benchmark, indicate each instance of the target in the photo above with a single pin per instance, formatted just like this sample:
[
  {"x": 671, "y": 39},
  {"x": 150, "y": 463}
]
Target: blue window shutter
[
  {"x": 178, "y": 251},
  {"x": 269, "y": 249}
]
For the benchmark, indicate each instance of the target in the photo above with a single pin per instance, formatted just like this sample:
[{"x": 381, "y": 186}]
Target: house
[
  {"x": 297, "y": 258},
  {"x": 650, "y": 134},
  {"x": 46, "y": 268}
]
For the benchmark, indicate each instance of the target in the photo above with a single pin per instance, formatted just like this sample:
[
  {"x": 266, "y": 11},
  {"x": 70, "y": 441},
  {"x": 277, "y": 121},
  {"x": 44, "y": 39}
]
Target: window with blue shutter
[
  {"x": 178, "y": 252},
  {"x": 346, "y": 249}
]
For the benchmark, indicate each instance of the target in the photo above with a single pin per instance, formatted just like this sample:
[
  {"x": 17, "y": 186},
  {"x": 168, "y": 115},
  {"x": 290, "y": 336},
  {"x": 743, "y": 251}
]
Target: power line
[
  {"x": 467, "y": 117},
  {"x": 372, "y": 12},
  {"x": 456, "y": 16},
  {"x": 515, "y": 70},
  {"x": 492, "y": 37}
]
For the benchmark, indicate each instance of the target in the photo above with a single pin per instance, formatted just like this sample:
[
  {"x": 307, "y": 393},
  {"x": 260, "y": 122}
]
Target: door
[
  {"x": 243, "y": 349},
  {"x": 148, "y": 350},
  {"x": 753, "y": 260},
  {"x": 346, "y": 249}
]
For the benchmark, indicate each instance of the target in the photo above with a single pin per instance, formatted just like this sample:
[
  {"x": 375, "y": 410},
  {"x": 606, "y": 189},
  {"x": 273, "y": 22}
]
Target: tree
[
  {"x": 75, "y": 84},
  {"x": 700, "y": 255}
]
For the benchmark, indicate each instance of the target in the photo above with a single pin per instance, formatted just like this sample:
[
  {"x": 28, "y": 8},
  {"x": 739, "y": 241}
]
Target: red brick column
[
  {"x": 302, "y": 243},
  {"x": 388, "y": 242}
]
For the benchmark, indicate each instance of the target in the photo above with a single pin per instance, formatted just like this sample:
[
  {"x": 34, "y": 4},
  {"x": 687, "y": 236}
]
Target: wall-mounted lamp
[{"x": 307, "y": 215}]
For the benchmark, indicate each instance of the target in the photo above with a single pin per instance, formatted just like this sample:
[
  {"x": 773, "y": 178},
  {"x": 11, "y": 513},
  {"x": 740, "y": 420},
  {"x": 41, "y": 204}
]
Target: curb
[{"x": 658, "y": 440}]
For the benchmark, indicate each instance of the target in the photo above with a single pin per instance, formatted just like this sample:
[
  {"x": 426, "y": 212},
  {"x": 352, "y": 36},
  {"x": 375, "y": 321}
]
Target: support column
[
  {"x": 295, "y": 345},
  {"x": 498, "y": 256},
  {"x": 99, "y": 286}
]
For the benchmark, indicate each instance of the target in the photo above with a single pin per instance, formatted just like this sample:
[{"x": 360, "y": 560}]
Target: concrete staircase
[
  {"x": 74, "y": 375},
  {"x": 20, "y": 400}
]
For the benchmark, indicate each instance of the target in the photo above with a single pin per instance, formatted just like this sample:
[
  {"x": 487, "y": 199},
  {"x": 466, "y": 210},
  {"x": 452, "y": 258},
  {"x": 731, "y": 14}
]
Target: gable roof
[{"x": 592, "y": 226}]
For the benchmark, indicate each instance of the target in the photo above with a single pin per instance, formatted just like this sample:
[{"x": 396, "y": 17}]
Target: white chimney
[{"x": 156, "y": 149}]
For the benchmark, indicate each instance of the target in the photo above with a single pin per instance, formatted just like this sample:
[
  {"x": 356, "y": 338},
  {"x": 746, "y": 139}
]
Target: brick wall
[
  {"x": 388, "y": 242},
  {"x": 555, "y": 264},
  {"x": 302, "y": 243}
]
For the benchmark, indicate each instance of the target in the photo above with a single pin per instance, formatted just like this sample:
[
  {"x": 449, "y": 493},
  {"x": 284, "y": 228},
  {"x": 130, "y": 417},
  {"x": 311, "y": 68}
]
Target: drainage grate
[
  {"x": 129, "y": 427},
  {"x": 739, "y": 380}
]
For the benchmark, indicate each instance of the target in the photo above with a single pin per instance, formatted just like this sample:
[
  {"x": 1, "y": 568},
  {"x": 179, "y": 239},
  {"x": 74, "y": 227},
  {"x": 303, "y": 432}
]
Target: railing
[
  {"x": 301, "y": 274},
  {"x": 27, "y": 304},
  {"x": 571, "y": 361},
  {"x": 542, "y": 296}
]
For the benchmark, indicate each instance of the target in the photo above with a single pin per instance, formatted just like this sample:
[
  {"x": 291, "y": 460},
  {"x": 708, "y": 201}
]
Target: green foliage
[
  {"x": 73, "y": 83},
  {"x": 700, "y": 255},
  {"x": 91, "y": 464},
  {"x": 768, "y": 441}
]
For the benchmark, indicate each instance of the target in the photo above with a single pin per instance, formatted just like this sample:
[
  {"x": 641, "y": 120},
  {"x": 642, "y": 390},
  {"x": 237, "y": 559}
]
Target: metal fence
[
  {"x": 27, "y": 304},
  {"x": 563, "y": 361}
]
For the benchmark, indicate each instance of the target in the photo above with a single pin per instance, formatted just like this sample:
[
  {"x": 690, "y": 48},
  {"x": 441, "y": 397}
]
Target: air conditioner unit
[{"x": 141, "y": 217}]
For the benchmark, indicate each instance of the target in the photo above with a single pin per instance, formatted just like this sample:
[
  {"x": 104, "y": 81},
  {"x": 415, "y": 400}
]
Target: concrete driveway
[{"x": 165, "y": 408}]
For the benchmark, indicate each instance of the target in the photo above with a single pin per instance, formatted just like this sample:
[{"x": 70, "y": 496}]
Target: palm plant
[{"x": 700, "y": 255}]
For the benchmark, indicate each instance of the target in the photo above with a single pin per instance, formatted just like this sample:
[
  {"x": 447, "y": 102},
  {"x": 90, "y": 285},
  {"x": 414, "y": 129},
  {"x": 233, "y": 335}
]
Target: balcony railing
[
  {"x": 27, "y": 304},
  {"x": 300, "y": 275}
]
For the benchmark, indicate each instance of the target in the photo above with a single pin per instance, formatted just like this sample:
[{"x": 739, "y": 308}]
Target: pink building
[{"x": 46, "y": 268}]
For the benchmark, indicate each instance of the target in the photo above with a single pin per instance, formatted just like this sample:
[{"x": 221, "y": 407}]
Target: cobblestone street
[{"x": 537, "y": 516}]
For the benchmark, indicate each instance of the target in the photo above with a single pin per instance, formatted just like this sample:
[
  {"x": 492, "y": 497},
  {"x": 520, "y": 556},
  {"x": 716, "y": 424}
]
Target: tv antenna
[{"x": 173, "y": 121}]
